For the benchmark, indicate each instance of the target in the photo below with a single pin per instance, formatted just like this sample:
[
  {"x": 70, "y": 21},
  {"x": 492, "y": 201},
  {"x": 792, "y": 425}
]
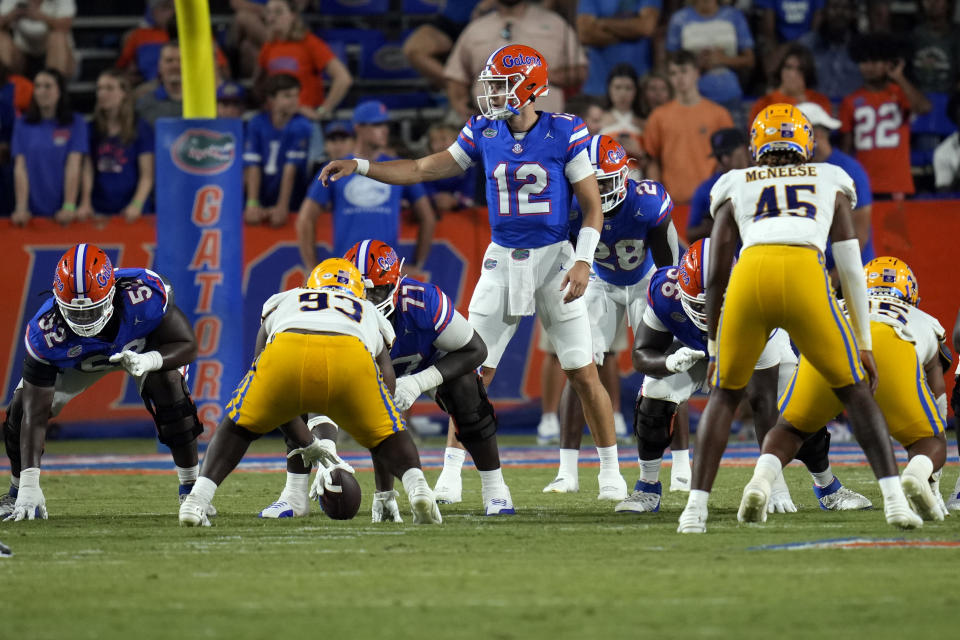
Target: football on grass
[{"x": 343, "y": 504}]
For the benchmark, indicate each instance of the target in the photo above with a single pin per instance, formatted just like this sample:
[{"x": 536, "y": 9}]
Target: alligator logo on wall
[{"x": 203, "y": 152}]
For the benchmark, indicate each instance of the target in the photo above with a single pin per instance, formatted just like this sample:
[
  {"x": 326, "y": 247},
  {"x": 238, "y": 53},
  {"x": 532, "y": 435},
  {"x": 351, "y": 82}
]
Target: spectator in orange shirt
[
  {"x": 677, "y": 134},
  {"x": 797, "y": 75},
  {"x": 875, "y": 118},
  {"x": 292, "y": 49}
]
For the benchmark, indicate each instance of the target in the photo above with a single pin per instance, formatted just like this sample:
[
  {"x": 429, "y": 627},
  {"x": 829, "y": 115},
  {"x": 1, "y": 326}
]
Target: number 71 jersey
[{"x": 790, "y": 204}]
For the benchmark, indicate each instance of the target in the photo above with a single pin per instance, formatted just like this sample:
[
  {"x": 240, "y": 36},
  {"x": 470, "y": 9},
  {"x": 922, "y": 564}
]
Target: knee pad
[
  {"x": 466, "y": 401},
  {"x": 815, "y": 450},
  {"x": 11, "y": 433},
  {"x": 652, "y": 420},
  {"x": 176, "y": 420}
]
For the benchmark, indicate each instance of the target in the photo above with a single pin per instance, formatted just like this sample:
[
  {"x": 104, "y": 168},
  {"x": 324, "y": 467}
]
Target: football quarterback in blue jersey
[
  {"x": 670, "y": 351},
  {"x": 637, "y": 236},
  {"x": 534, "y": 162},
  {"x": 437, "y": 352},
  {"x": 99, "y": 320}
]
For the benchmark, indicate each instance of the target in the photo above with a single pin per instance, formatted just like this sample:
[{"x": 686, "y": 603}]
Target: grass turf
[{"x": 112, "y": 563}]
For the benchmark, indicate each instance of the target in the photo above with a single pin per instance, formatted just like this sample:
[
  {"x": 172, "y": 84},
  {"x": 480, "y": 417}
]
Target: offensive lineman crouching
[{"x": 100, "y": 319}]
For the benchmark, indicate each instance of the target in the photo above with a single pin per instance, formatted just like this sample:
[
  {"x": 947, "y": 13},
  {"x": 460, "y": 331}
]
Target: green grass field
[{"x": 111, "y": 562}]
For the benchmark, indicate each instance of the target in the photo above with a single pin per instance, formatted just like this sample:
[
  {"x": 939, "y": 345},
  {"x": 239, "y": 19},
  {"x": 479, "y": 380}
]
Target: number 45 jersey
[
  {"x": 139, "y": 304},
  {"x": 790, "y": 204}
]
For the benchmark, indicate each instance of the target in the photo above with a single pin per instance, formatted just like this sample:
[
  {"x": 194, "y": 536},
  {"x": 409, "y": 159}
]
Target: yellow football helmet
[
  {"x": 781, "y": 126},
  {"x": 892, "y": 277},
  {"x": 337, "y": 273}
]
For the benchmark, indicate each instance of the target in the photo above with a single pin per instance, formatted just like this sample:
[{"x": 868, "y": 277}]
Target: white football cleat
[
  {"x": 612, "y": 486},
  {"x": 753, "y": 504},
  {"x": 900, "y": 516},
  {"x": 385, "y": 508},
  {"x": 680, "y": 477},
  {"x": 193, "y": 512},
  {"x": 185, "y": 491},
  {"x": 920, "y": 496},
  {"x": 498, "y": 502},
  {"x": 692, "y": 520},
  {"x": 644, "y": 499},
  {"x": 424, "y": 505},
  {"x": 449, "y": 488},
  {"x": 7, "y": 503},
  {"x": 836, "y": 497},
  {"x": 563, "y": 484},
  {"x": 548, "y": 431},
  {"x": 286, "y": 507}
]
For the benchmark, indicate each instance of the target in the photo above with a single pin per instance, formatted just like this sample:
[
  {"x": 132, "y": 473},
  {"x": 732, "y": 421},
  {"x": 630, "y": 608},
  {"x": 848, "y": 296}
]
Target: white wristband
[
  {"x": 587, "y": 241},
  {"x": 363, "y": 165},
  {"x": 711, "y": 348},
  {"x": 30, "y": 478},
  {"x": 429, "y": 378},
  {"x": 153, "y": 360}
]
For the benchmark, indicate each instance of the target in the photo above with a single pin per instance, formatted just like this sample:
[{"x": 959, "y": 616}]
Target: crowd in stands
[{"x": 676, "y": 82}]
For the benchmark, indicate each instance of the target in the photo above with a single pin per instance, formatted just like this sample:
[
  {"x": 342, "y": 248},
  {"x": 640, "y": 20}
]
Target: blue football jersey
[
  {"x": 423, "y": 312},
  {"x": 139, "y": 305},
  {"x": 272, "y": 149},
  {"x": 528, "y": 193},
  {"x": 621, "y": 257},
  {"x": 663, "y": 298}
]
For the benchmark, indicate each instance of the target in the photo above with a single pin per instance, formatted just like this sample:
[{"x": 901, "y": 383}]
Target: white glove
[
  {"x": 683, "y": 358},
  {"x": 30, "y": 501},
  {"x": 323, "y": 452},
  {"x": 385, "y": 507},
  {"x": 138, "y": 364},
  {"x": 780, "y": 500},
  {"x": 323, "y": 481},
  {"x": 935, "y": 487},
  {"x": 409, "y": 388}
]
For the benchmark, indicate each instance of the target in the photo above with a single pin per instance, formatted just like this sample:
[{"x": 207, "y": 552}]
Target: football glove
[
  {"x": 322, "y": 452},
  {"x": 30, "y": 501},
  {"x": 409, "y": 388},
  {"x": 137, "y": 364},
  {"x": 385, "y": 507},
  {"x": 683, "y": 358}
]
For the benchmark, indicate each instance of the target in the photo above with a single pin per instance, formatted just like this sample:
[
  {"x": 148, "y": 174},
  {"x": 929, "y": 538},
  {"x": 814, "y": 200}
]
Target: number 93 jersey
[
  {"x": 139, "y": 304},
  {"x": 528, "y": 178},
  {"x": 790, "y": 204},
  {"x": 621, "y": 257},
  {"x": 912, "y": 325},
  {"x": 328, "y": 310}
]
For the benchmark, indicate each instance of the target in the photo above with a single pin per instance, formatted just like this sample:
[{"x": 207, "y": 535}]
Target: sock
[
  {"x": 608, "y": 458},
  {"x": 892, "y": 491},
  {"x": 413, "y": 478},
  {"x": 823, "y": 478},
  {"x": 698, "y": 499},
  {"x": 680, "y": 458},
  {"x": 204, "y": 488},
  {"x": 15, "y": 481},
  {"x": 650, "y": 470},
  {"x": 297, "y": 487},
  {"x": 568, "y": 462},
  {"x": 188, "y": 475},
  {"x": 920, "y": 466},
  {"x": 768, "y": 468},
  {"x": 491, "y": 479},
  {"x": 453, "y": 460}
]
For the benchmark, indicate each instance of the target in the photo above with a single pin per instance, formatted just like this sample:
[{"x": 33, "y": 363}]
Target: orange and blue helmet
[
  {"x": 379, "y": 267},
  {"x": 692, "y": 279},
  {"x": 83, "y": 286},
  {"x": 337, "y": 273},
  {"x": 781, "y": 127},
  {"x": 517, "y": 74},
  {"x": 891, "y": 277},
  {"x": 609, "y": 160}
]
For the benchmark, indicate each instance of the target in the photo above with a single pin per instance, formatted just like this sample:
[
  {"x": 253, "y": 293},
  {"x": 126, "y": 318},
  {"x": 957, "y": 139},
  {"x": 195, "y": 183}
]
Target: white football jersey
[
  {"x": 911, "y": 324},
  {"x": 792, "y": 204},
  {"x": 329, "y": 310}
]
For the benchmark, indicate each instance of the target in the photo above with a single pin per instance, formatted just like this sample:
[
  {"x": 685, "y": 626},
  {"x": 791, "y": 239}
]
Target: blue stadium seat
[
  {"x": 929, "y": 130},
  {"x": 386, "y": 60},
  {"x": 422, "y": 6},
  {"x": 354, "y": 7}
]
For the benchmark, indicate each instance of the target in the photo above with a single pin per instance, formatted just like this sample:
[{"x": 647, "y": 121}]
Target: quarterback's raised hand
[
  {"x": 137, "y": 364},
  {"x": 575, "y": 281},
  {"x": 337, "y": 169}
]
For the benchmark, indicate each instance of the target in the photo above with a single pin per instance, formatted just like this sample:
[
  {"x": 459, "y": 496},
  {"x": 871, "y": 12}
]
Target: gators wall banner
[{"x": 923, "y": 233}]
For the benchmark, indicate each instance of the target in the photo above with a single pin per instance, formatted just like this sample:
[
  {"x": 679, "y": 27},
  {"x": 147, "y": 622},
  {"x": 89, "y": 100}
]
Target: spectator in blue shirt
[
  {"x": 362, "y": 207},
  {"x": 49, "y": 143},
  {"x": 616, "y": 32},
  {"x": 721, "y": 40},
  {"x": 453, "y": 193},
  {"x": 118, "y": 173},
  {"x": 275, "y": 154},
  {"x": 729, "y": 147},
  {"x": 823, "y": 151}
]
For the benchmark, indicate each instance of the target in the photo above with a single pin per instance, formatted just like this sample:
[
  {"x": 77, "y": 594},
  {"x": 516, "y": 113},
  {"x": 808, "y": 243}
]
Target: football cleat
[
  {"x": 953, "y": 504},
  {"x": 5, "y": 551},
  {"x": 644, "y": 499},
  {"x": 692, "y": 520},
  {"x": 185, "y": 491},
  {"x": 920, "y": 497},
  {"x": 7, "y": 502},
  {"x": 836, "y": 497},
  {"x": 563, "y": 484},
  {"x": 193, "y": 512},
  {"x": 612, "y": 486},
  {"x": 284, "y": 508},
  {"x": 449, "y": 488},
  {"x": 680, "y": 477},
  {"x": 548, "y": 431},
  {"x": 900, "y": 516},
  {"x": 424, "y": 505},
  {"x": 935, "y": 487},
  {"x": 385, "y": 508},
  {"x": 753, "y": 504},
  {"x": 498, "y": 502}
]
